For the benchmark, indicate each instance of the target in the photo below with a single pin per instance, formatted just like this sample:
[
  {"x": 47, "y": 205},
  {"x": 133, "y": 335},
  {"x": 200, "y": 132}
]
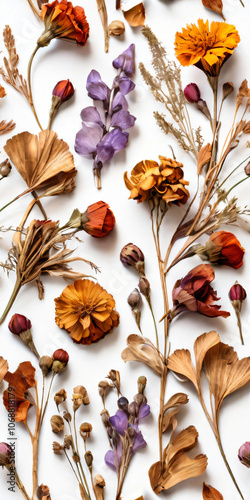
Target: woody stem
[
  {"x": 29, "y": 86},
  {"x": 11, "y": 300},
  {"x": 21, "y": 486}
]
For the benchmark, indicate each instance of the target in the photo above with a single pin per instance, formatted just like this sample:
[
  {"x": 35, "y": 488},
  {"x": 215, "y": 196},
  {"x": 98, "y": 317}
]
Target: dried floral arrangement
[{"x": 85, "y": 309}]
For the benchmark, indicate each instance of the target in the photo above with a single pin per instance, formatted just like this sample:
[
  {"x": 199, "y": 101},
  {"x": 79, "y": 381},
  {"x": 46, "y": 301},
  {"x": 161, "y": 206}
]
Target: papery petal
[
  {"x": 113, "y": 141},
  {"x": 143, "y": 411},
  {"x": 119, "y": 421},
  {"x": 87, "y": 139},
  {"x": 123, "y": 120},
  {"x": 139, "y": 442},
  {"x": 96, "y": 88},
  {"x": 119, "y": 102},
  {"x": 126, "y": 85},
  {"x": 126, "y": 61},
  {"x": 111, "y": 460},
  {"x": 91, "y": 115}
]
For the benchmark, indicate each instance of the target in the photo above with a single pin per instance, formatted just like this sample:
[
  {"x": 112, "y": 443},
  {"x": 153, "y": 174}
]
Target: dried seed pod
[
  {"x": 5, "y": 168},
  {"x": 45, "y": 363},
  {"x": 57, "y": 448},
  {"x": 57, "y": 424},
  {"x": 85, "y": 430},
  {"x": 68, "y": 441},
  {"x": 116, "y": 28},
  {"x": 141, "y": 383},
  {"x": 67, "y": 416},
  {"x": 103, "y": 388},
  {"x": 88, "y": 458},
  {"x": 144, "y": 287},
  {"x": 60, "y": 396}
]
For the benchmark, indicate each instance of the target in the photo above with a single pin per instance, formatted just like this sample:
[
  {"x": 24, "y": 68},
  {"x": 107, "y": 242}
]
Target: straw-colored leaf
[
  {"x": 170, "y": 410},
  {"x": 180, "y": 363},
  {"x": 204, "y": 157},
  {"x": 210, "y": 493},
  {"x": 141, "y": 349},
  {"x": 215, "y": 6},
  {"x": 177, "y": 465},
  {"x": 3, "y": 368},
  {"x": 202, "y": 344}
]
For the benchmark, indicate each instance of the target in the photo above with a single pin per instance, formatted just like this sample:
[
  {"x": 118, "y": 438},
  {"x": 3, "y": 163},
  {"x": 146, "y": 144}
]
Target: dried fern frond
[{"x": 10, "y": 72}]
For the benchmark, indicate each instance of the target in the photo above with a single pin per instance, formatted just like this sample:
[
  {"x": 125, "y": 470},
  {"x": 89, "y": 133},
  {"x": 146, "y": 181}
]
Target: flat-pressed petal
[
  {"x": 126, "y": 61},
  {"x": 91, "y": 115},
  {"x": 139, "y": 442},
  {"x": 119, "y": 102},
  {"x": 87, "y": 139},
  {"x": 97, "y": 89},
  {"x": 126, "y": 85},
  {"x": 112, "y": 142},
  {"x": 119, "y": 422},
  {"x": 122, "y": 119}
]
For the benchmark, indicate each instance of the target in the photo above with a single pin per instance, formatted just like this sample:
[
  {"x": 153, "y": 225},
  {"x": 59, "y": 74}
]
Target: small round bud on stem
[
  {"x": 45, "y": 363},
  {"x": 85, "y": 430},
  {"x": 57, "y": 424},
  {"x": 80, "y": 397},
  {"x": 5, "y": 168},
  {"x": 237, "y": 294},
  {"x": 89, "y": 459},
  {"x": 244, "y": 454},
  {"x": 60, "y": 396},
  {"x": 192, "y": 93},
  {"x": 20, "y": 325},
  {"x": 134, "y": 299},
  {"x": 6, "y": 454},
  {"x": 247, "y": 168},
  {"x": 144, "y": 287},
  {"x": 60, "y": 361},
  {"x": 43, "y": 492},
  {"x": 122, "y": 404},
  {"x": 116, "y": 28},
  {"x": 132, "y": 256},
  {"x": 141, "y": 382}
]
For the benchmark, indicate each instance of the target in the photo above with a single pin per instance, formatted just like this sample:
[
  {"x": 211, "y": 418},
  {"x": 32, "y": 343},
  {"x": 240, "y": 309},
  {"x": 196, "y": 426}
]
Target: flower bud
[
  {"x": 141, "y": 383},
  {"x": 131, "y": 432},
  {"x": 103, "y": 388},
  {"x": 133, "y": 409},
  {"x": 237, "y": 294},
  {"x": 43, "y": 492},
  {"x": 57, "y": 448},
  {"x": 228, "y": 88},
  {"x": 116, "y": 28},
  {"x": 88, "y": 458},
  {"x": 85, "y": 430},
  {"x": 99, "y": 481},
  {"x": 60, "y": 396},
  {"x": 6, "y": 453},
  {"x": 45, "y": 363},
  {"x": 131, "y": 255},
  {"x": 19, "y": 324},
  {"x": 76, "y": 457},
  {"x": 122, "y": 404},
  {"x": 68, "y": 441},
  {"x": 139, "y": 399},
  {"x": 192, "y": 93},
  {"x": 64, "y": 90},
  {"x": 80, "y": 397},
  {"x": 60, "y": 361},
  {"x": 114, "y": 376},
  {"x": 247, "y": 168},
  {"x": 105, "y": 417},
  {"x": 134, "y": 299},
  {"x": 144, "y": 287},
  {"x": 57, "y": 424},
  {"x": 67, "y": 416},
  {"x": 5, "y": 168},
  {"x": 244, "y": 454}
]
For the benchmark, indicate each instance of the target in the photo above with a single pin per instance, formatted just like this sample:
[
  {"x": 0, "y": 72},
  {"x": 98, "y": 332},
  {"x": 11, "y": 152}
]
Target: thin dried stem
[{"x": 104, "y": 19}]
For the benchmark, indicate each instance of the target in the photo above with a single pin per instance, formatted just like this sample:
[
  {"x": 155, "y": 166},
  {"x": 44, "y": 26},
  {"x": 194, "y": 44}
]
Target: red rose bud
[
  {"x": 237, "y": 292},
  {"x": 64, "y": 90},
  {"x": 192, "y": 93},
  {"x": 60, "y": 361},
  {"x": 6, "y": 453},
  {"x": 244, "y": 454},
  {"x": 131, "y": 255},
  {"x": 19, "y": 324}
]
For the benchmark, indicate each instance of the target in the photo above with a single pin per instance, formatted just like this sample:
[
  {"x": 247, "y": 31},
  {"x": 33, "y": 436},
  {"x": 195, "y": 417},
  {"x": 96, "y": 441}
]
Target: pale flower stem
[
  {"x": 239, "y": 326},
  {"x": 29, "y": 86},
  {"x": 36, "y": 12},
  {"x": 227, "y": 465},
  {"x": 47, "y": 399},
  {"x": 21, "y": 486}
]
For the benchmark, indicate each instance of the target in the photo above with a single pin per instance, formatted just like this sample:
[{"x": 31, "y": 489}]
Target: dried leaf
[
  {"x": 243, "y": 92},
  {"x": 201, "y": 346},
  {"x": 246, "y": 128},
  {"x": 3, "y": 368},
  {"x": 177, "y": 465},
  {"x": 204, "y": 157},
  {"x": 215, "y": 6},
  {"x": 210, "y": 493},
  {"x": 6, "y": 127},
  {"x": 180, "y": 363},
  {"x": 2, "y": 91},
  {"x": 135, "y": 16},
  {"x": 141, "y": 349},
  {"x": 171, "y": 408}
]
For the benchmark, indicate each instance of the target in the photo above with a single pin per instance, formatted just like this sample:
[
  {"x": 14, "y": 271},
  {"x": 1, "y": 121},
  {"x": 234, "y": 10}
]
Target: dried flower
[
  {"x": 116, "y": 28},
  {"x": 210, "y": 493},
  {"x": 20, "y": 382},
  {"x": 228, "y": 88},
  {"x": 165, "y": 181},
  {"x": 86, "y": 311},
  {"x": 5, "y": 168},
  {"x": 62, "y": 20},
  {"x": 67, "y": 416},
  {"x": 60, "y": 397},
  {"x": 206, "y": 47},
  {"x": 60, "y": 361},
  {"x": 143, "y": 350},
  {"x": 57, "y": 424},
  {"x": 19, "y": 324},
  {"x": 98, "y": 220},
  {"x": 141, "y": 382},
  {"x": 85, "y": 430},
  {"x": 135, "y": 16},
  {"x": 57, "y": 448},
  {"x": 244, "y": 454},
  {"x": 134, "y": 299},
  {"x": 45, "y": 363},
  {"x": 89, "y": 458},
  {"x": 247, "y": 169},
  {"x": 126, "y": 61},
  {"x": 223, "y": 248},
  {"x": 103, "y": 389},
  {"x": 43, "y": 492},
  {"x": 237, "y": 294},
  {"x": 131, "y": 255},
  {"x": 144, "y": 287},
  {"x": 6, "y": 454},
  {"x": 80, "y": 397},
  {"x": 194, "y": 293},
  {"x": 64, "y": 90},
  {"x": 3, "y": 368},
  {"x": 192, "y": 93},
  {"x": 114, "y": 376}
]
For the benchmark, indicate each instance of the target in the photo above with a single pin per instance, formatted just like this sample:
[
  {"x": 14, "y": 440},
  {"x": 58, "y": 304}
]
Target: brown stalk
[
  {"x": 104, "y": 19},
  {"x": 34, "y": 9}
]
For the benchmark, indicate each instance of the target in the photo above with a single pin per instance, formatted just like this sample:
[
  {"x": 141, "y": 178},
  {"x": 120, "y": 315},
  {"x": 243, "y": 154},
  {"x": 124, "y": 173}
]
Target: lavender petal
[
  {"x": 87, "y": 139},
  {"x": 143, "y": 411},
  {"x": 119, "y": 421},
  {"x": 139, "y": 442},
  {"x": 111, "y": 460},
  {"x": 119, "y": 102},
  {"x": 126, "y": 61},
  {"x": 123, "y": 120},
  {"x": 90, "y": 116},
  {"x": 112, "y": 142},
  {"x": 96, "y": 88},
  {"x": 126, "y": 85}
]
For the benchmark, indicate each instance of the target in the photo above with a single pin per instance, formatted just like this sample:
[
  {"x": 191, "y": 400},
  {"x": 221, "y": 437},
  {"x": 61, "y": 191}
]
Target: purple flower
[
  {"x": 244, "y": 454},
  {"x": 119, "y": 102},
  {"x": 112, "y": 142},
  {"x": 139, "y": 442},
  {"x": 192, "y": 93},
  {"x": 96, "y": 88},
  {"x": 143, "y": 411},
  {"x": 119, "y": 422},
  {"x": 87, "y": 139},
  {"x": 126, "y": 61},
  {"x": 91, "y": 116},
  {"x": 113, "y": 458},
  {"x": 122, "y": 119}
]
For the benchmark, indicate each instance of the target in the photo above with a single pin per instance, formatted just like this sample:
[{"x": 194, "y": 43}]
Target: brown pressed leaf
[
  {"x": 6, "y": 127},
  {"x": 2, "y": 91},
  {"x": 135, "y": 16},
  {"x": 246, "y": 128},
  {"x": 215, "y": 6},
  {"x": 243, "y": 92},
  {"x": 225, "y": 373},
  {"x": 202, "y": 344},
  {"x": 204, "y": 157},
  {"x": 177, "y": 465},
  {"x": 3, "y": 368},
  {"x": 210, "y": 493},
  {"x": 171, "y": 408},
  {"x": 141, "y": 349},
  {"x": 180, "y": 363},
  {"x": 42, "y": 160}
]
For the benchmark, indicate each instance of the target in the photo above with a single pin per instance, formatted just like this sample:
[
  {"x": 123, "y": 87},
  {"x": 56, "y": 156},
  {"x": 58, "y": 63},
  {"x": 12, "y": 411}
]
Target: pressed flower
[
  {"x": 6, "y": 454},
  {"x": 210, "y": 493},
  {"x": 206, "y": 47},
  {"x": 143, "y": 350},
  {"x": 131, "y": 255},
  {"x": 62, "y": 20},
  {"x": 223, "y": 248},
  {"x": 194, "y": 293},
  {"x": 149, "y": 179},
  {"x": 19, "y": 384},
  {"x": 86, "y": 311}
]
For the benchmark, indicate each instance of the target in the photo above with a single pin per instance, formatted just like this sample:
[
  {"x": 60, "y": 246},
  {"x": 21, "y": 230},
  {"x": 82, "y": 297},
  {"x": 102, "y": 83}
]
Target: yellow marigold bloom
[
  {"x": 207, "y": 48},
  {"x": 86, "y": 311},
  {"x": 149, "y": 179}
]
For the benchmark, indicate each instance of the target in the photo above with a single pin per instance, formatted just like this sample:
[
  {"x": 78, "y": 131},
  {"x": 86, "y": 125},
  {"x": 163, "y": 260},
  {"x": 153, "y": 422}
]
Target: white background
[{"x": 90, "y": 364}]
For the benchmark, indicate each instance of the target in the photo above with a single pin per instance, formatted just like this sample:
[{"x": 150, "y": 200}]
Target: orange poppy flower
[
  {"x": 62, "y": 20},
  {"x": 86, "y": 311},
  {"x": 16, "y": 398},
  {"x": 98, "y": 220},
  {"x": 224, "y": 248},
  {"x": 207, "y": 48}
]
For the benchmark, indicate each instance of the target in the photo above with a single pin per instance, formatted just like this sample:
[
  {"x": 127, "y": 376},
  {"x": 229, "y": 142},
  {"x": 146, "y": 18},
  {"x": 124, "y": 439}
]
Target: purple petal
[
  {"x": 119, "y": 102},
  {"x": 111, "y": 460},
  {"x": 126, "y": 85},
  {"x": 143, "y": 411},
  {"x": 123, "y": 120},
  {"x": 87, "y": 139},
  {"x": 96, "y": 88},
  {"x": 112, "y": 142},
  {"x": 139, "y": 442},
  {"x": 126, "y": 61},
  {"x": 119, "y": 421},
  {"x": 91, "y": 115}
]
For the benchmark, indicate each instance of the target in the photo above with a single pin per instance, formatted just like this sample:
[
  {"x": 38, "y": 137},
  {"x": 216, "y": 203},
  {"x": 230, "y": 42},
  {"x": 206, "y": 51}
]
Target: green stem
[
  {"x": 227, "y": 465},
  {"x": 10, "y": 202},
  {"x": 29, "y": 86},
  {"x": 237, "y": 183},
  {"x": 11, "y": 300},
  {"x": 232, "y": 172},
  {"x": 239, "y": 326}
]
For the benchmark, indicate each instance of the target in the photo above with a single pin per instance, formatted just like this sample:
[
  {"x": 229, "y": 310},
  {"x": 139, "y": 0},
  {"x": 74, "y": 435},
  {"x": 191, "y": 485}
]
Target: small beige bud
[
  {"x": 57, "y": 448},
  {"x": 134, "y": 299},
  {"x": 116, "y": 28},
  {"x": 114, "y": 376},
  {"x": 45, "y": 363},
  {"x": 76, "y": 457},
  {"x": 57, "y": 424},
  {"x": 105, "y": 417},
  {"x": 144, "y": 287},
  {"x": 99, "y": 481},
  {"x": 88, "y": 458},
  {"x": 67, "y": 416},
  {"x": 103, "y": 388},
  {"x": 60, "y": 396},
  {"x": 80, "y": 397},
  {"x": 5, "y": 167},
  {"x": 141, "y": 383},
  {"x": 85, "y": 430},
  {"x": 68, "y": 441}
]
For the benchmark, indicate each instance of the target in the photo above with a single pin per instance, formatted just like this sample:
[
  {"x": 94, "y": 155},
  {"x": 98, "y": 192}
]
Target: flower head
[
  {"x": 237, "y": 293},
  {"x": 244, "y": 454},
  {"x": 224, "y": 248},
  {"x": 192, "y": 93},
  {"x": 19, "y": 324},
  {"x": 19, "y": 384},
  {"x": 86, "y": 311},
  {"x": 64, "y": 90},
  {"x": 149, "y": 179},
  {"x": 194, "y": 293},
  {"x": 98, "y": 220},
  {"x": 62, "y": 20},
  {"x": 206, "y": 47},
  {"x": 131, "y": 255}
]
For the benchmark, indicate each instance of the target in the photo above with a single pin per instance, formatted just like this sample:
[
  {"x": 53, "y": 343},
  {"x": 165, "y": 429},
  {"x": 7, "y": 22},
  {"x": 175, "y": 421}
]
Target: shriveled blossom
[
  {"x": 223, "y": 248},
  {"x": 165, "y": 180},
  {"x": 204, "y": 46},
  {"x": 194, "y": 293},
  {"x": 98, "y": 220},
  {"x": 17, "y": 394},
  {"x": 104, "y": 130},
  {"x": 86, "y": 311},
  {"x": 62, "y": 20}
]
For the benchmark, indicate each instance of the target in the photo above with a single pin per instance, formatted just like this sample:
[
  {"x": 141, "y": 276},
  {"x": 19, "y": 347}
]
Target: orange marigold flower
[
  {"x": 98, "y": 220},
  {"x": 224, "y": 248},
  {"x": 149, "y": 179},
  {"x": 207, "y": 48},
  {"x": 16, "y": 397},
  {"x": 62, "y": 20},
  {"x": 86, "y": 311}
]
